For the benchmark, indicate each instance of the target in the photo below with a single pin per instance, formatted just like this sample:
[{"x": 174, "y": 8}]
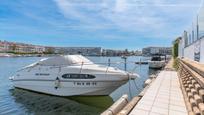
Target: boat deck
[{"x": 164, "y": 97}]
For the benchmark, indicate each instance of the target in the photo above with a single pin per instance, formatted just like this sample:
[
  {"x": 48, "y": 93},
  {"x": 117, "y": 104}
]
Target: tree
[
  {"x": 175, "y": 48},
  {"x": 175, "y": 52},
  {"x": 50, "y": 50}
]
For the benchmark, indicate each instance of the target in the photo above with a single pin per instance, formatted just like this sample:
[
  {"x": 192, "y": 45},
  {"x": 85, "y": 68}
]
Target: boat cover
[{"x": 64, "y": 60}]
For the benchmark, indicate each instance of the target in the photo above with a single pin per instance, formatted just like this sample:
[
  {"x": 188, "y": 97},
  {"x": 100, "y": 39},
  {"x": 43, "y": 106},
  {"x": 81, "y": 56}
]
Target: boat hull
[
  {"x": 70, "y": 88},
  {"x": 156, "y": 64}
]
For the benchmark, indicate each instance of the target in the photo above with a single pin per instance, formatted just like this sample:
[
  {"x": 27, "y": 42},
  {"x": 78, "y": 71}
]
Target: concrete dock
[
  {"x": 172, "y": 92},
  {"x": 164, "y": 97}
]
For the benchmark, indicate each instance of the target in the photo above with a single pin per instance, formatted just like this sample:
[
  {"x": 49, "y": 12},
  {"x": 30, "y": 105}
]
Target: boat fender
[
  {"x": 147, "y": 82},
  {"x": 57, "y": 83}
]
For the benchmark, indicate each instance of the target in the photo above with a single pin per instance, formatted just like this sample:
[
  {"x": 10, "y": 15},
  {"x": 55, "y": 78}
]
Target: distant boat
[
  {"x": 69, "y": 76},
  {"x": 156, "y": 62},
  {"x": 5, "y": 55},
  {"x": 39, "y": 55},
  {"x": 124, "y": 57}
]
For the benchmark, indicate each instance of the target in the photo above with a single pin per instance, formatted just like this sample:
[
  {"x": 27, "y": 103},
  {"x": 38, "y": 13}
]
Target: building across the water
[
  {"x": 111, "y": 52},
  {"x": 91, "y": 51},
  {"x": 14, "y": 47},
  {"x": 148, "y": 51},
  {"x": 191, "y": 44}
]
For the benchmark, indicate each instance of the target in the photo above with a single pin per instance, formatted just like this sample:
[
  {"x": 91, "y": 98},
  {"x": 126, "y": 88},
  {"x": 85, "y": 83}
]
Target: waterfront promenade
[{"x": 163, "y": 97}]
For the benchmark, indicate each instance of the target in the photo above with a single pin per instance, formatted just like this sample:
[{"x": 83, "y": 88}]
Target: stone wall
[{"x": 191, "y": 75}]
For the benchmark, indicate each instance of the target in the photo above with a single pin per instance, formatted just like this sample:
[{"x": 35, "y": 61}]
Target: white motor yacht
[
  {"x": 156, "y": 62},
  {"x": 70, "y": 75}
]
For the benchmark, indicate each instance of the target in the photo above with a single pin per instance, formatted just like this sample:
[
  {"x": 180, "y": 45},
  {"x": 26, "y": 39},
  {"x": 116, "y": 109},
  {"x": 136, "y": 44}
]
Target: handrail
[
  {"x": 71, "y": 64},
  {"x": 106, "y": 70},
  {"x": 81, "y": 67}
]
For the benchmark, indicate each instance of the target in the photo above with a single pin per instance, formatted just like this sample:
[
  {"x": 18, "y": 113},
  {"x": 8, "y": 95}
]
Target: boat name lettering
[
  {"x": 42, "y": 74},
  {"x": 85, "y": 83}
]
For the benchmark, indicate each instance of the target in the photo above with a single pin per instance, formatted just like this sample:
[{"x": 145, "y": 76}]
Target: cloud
[
  {"x": 151, "y": 18},
  {"x": 120, "y": 6},
  {"x": 108, "y": 20}
]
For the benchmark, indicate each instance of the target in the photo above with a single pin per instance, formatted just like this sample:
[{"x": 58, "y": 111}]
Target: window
[
  {"x": 156, "y": 59},
  {"x": 42, "y": 74},
  {"x": 78, "y": 76}
]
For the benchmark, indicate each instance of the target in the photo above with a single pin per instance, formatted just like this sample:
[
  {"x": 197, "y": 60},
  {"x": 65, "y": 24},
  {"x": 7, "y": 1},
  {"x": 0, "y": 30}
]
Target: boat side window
[
  {"x": 66, "y": 76},
  {"x": 78, "y": 76}
]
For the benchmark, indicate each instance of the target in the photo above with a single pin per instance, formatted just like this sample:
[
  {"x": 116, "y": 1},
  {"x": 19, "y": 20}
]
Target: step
[
  {"x": 192, "y": 102},
  {"x": 197, "y": 99},
  {"x": 188, "y": 90},
  {"x": 191, "y": 86},
  {"x": 196, "y": 110},
  {"x": 201, "y": 108},
  {"x": 190, "y": 95},
  {"x": 194, "y": 81},
  {"x": 185, "y": 83},
  {"x": 197, "y": 86},
  {"x": 189, "y": 82},
  {"x": 201, "y": 94},
  {"x": 193, "y": 91}
]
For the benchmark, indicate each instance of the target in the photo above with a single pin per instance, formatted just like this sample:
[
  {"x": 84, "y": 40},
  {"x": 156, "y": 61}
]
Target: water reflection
[
  {"x": 35, "y": 103},
  {"x": 153, "y": 71},
  {"x": 95, "y": 101}
]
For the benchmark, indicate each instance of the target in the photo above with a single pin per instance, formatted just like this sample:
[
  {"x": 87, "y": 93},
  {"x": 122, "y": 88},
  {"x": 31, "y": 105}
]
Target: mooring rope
[{"x": 130, "y": 87}]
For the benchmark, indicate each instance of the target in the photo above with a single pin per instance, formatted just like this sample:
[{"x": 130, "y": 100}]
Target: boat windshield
[
  {"x": 29, "y": 66},
  {"x": 156, "y": 59}
]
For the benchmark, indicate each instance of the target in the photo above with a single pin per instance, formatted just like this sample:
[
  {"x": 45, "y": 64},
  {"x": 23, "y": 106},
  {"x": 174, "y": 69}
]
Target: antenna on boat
[
  {"x": 109, "y": 61},
  {"x": 133, "y": 70},
  {"x": 129, "y": 84},
  {"x": 125, "y": 62}
]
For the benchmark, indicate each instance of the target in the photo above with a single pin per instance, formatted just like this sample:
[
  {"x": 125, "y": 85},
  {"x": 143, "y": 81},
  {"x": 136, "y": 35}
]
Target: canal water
[{"x": 22, "y": 102}]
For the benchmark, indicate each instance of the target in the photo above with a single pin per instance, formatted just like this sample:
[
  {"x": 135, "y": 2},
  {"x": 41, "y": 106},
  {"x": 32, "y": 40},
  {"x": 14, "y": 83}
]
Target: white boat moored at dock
[
  {"x": 156, "y": 62},
  {"x": 70, "y": 75}
]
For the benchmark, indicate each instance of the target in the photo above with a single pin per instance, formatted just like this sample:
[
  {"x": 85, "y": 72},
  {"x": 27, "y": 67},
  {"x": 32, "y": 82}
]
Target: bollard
[
  {"x": 147, "y": 82},
  {"x": 126, "y": 110},
  {"x": 117, "y": 106}
]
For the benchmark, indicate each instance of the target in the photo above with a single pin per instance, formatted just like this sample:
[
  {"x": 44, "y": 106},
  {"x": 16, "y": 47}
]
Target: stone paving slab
[{"x": 164, "y": 97}]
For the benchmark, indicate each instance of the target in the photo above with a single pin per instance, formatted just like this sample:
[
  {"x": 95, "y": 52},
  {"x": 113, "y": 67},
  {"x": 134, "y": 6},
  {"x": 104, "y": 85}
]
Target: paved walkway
[
  {"x": 164, "y": 97},
  {"x": 169, "y": 65}
]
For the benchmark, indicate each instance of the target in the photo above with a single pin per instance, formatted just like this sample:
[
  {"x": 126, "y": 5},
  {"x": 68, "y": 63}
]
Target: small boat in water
[
  {"x": 70, "y": 75},
  {"x": 156, "y": 62}
]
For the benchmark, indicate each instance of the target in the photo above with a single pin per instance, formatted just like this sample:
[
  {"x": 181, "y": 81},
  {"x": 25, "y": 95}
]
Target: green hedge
[
  {"x": 175, "y": 49},
  {"x": 175, "y": 53}
]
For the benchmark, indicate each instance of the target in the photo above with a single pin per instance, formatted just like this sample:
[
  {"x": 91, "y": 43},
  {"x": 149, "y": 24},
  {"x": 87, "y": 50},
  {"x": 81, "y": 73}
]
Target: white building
[
  {"x": 6, "y": 46},
  {"x": 94, "y": 51},
  {"x": 39, "y": 49},
  {"x": 148, "y": 51},
  {"x": 191, "y": 44},
  {"x": 1, "y": 47}
]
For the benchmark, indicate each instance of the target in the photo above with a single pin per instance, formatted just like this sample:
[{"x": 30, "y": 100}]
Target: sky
[{"x": 111, "y": 24}]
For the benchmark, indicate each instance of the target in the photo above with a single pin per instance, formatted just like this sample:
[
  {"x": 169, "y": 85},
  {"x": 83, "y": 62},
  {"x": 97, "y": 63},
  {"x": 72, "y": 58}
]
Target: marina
[
  {"x": 166, "y": 97},
  {"x": 20, "y": 101},
  {"x": 119, "y": 57}
]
